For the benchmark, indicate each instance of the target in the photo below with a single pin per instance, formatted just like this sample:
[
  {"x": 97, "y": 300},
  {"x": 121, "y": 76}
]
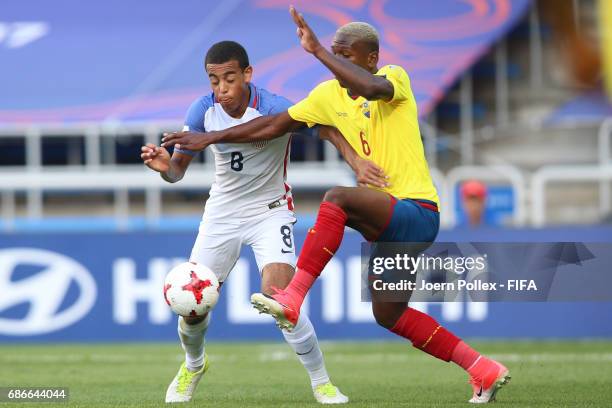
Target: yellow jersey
[{"x": 385, "y": 132}]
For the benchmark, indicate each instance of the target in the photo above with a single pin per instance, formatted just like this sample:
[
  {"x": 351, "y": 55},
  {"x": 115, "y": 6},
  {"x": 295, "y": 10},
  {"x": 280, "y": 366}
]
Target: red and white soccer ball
[{"x": 191, "y": 289}]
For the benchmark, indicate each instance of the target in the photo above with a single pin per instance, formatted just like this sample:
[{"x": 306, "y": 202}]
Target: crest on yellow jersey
[{"x": 365, "y": 109}]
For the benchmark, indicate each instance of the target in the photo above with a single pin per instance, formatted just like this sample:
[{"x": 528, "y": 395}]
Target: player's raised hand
[
  {"x": 155, "y": 157},
  {"x": 369, "y": 174},
  {"x": 308, "y": 39},
  {"x": 194, "y": 141}
]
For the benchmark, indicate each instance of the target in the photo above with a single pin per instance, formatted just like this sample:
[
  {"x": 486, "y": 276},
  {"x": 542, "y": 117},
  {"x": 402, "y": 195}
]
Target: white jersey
[{"x": 250, "y": 178}]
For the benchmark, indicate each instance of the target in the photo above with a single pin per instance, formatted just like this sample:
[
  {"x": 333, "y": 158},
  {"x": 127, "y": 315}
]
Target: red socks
[
  {"x": 464, "y": 356},
  {"x": 477, "y": 365},
  {"x": 426, "y": 334},
  {"x": 298, "y": 288},
  {"x": 322, "y": 241}
]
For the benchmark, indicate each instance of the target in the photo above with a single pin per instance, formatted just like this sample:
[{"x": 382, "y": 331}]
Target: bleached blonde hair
[{"x": 361, "y": 31}]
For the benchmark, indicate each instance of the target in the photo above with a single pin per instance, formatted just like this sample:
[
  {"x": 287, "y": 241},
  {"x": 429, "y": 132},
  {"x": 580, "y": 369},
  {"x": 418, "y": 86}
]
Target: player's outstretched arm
[
  {"x": 172, "y": 169},
  {"x": 258, "y": 129},
  {"x": 355, "y": 78},
  {"x": 366, "y": 171}
]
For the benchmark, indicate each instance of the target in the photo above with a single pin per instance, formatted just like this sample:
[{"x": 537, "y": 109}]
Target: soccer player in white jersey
[{"x": 249, "y": 203}]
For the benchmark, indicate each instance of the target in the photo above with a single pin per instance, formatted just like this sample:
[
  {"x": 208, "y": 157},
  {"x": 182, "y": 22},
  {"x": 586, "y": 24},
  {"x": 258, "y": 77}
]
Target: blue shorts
[{"x": 411, "y": 221}]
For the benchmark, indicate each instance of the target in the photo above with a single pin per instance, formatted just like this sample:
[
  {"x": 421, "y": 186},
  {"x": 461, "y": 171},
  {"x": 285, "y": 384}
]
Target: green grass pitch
[{"x": 372, "y": 374}]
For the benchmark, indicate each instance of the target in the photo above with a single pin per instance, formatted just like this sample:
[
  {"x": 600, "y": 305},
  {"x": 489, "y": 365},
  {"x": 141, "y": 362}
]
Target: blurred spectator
[
  {"x": 473, "y": 200},
  {"x": 576, "y": 43}
]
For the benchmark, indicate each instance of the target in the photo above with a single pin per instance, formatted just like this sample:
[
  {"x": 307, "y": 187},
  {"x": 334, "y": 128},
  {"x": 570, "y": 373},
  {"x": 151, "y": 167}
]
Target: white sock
[
  {"x": 303, "y": 340},
  {"x": 192, "y": 340}
]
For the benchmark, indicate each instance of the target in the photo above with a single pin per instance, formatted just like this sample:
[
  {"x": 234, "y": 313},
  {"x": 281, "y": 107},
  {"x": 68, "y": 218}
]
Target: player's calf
[{"x": 275, "y": 275}]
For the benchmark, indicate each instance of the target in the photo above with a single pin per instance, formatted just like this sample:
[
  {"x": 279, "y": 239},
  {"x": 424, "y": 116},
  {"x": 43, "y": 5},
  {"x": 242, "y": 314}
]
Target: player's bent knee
[
  {"x": 387, "y": 314},
  {"x": 336, "y": 195},
  {"x": 384, "y": 321}
]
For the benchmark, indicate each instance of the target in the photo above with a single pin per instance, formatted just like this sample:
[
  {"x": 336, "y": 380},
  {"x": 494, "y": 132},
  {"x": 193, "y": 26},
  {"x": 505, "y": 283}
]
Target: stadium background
[{"x": 510, "y": 93}]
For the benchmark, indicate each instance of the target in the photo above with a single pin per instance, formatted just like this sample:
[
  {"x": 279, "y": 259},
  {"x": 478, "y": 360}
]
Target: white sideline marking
[
  {"x": 409, "y": 356},
  {"x": 283, "y": 355}
]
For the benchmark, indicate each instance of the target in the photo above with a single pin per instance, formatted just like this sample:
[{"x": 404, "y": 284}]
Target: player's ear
[
  {"x": 373, "y": 59},
  {"x": 248, "y": 73}
]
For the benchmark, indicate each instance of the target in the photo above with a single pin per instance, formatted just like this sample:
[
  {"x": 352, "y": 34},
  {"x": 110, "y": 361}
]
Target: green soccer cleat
[
  {"x": 183, "y": 385},
  {"x": 328, "y": 393}
]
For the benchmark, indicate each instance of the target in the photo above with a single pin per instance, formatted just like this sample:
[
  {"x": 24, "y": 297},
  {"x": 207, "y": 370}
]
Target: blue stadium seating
[
  {"x": 587, "y": 109},
  {"x": 142, "y": 60}
]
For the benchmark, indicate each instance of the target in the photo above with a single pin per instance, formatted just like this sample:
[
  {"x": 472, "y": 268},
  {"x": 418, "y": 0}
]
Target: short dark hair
[{"x": 225, "y": 51}]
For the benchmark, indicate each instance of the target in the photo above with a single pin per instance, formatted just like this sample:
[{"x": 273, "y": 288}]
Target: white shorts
[{"x": 270, "y": 236}]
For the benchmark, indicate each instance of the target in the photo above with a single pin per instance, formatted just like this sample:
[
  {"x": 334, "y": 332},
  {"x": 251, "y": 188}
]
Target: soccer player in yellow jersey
[{"x": 375, "y": 111}]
